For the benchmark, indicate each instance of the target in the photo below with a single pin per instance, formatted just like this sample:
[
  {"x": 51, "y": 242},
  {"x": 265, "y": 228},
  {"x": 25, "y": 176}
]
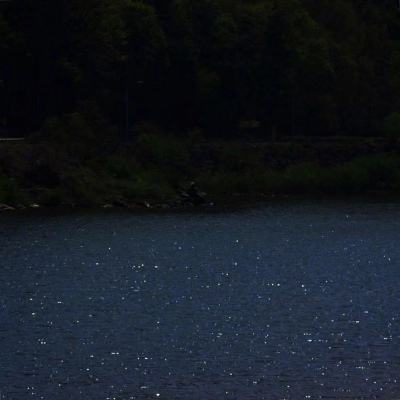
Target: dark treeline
[{"x": 291, "y": 67}]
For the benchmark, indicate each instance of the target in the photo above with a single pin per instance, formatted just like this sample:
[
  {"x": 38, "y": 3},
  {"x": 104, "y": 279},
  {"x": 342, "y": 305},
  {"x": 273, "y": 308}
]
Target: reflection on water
[{"x": 283, "y": 302}]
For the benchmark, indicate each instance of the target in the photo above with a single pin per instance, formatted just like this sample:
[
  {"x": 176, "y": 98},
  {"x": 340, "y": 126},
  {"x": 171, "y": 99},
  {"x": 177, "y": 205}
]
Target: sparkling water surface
[{"x": 293, "y": 301}]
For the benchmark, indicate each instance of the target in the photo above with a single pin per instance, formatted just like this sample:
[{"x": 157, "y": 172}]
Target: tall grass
[{"x": 358, "y": 176}]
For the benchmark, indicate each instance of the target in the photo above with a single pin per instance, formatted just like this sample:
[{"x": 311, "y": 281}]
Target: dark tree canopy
[{"x": 295, "y": 67}]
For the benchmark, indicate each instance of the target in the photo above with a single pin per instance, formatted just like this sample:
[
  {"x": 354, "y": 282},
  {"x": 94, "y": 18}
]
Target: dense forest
[
  {"x": 126, "y": 102},
  {"x": 278, "y": 67}
]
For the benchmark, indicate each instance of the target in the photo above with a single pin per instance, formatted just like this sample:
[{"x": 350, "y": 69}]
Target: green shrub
[
  {"x": 120, "y": 167},
  {"x": 155, "y": 149},
  {"x": 301, "y": 178},
  {"x": 391, "y": 126},
  {"x": 236, "y": 158},
  {"x": 346, "y": 178},
  {"x": 9, "y": 192},
  {"x": 357, "y": 176},
  {"x": 223, "y": 184},
  {"x": 149, "y": 185},
  {"x": 79, "y": 134},
  {"x": 82, "y": 187},
  {"x": 53, "y": 197}
]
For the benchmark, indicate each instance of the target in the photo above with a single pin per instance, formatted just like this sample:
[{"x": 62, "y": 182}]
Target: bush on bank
[{"x": 155, "y": 168}]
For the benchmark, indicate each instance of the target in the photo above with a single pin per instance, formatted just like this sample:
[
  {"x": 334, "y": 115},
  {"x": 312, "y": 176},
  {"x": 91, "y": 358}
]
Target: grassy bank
[{"x": 156, "y": 171}]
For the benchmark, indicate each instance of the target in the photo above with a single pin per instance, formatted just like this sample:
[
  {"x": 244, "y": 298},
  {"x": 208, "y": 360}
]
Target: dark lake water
[{"x": 280, "y": 302}]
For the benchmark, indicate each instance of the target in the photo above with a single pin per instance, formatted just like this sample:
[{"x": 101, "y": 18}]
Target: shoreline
[
  {"x": 232, "y": 206},
  {"x": 153, "y": 176}
]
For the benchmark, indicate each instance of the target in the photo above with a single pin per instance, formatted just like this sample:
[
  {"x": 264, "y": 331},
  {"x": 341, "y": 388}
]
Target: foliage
[
  {"x": 79, "y": 134},
  {"x": 355, "y": 177},
  {"x": 149, "y": 186},
  {"x": 297, "y": 67},
  {"x": 392, "y": 126},
  {"x": 116, "y": 96},
  {"x": 8, "y": 191},
  {"x": 225, "y": 171},
  {"x": 161, "y": 150}
]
